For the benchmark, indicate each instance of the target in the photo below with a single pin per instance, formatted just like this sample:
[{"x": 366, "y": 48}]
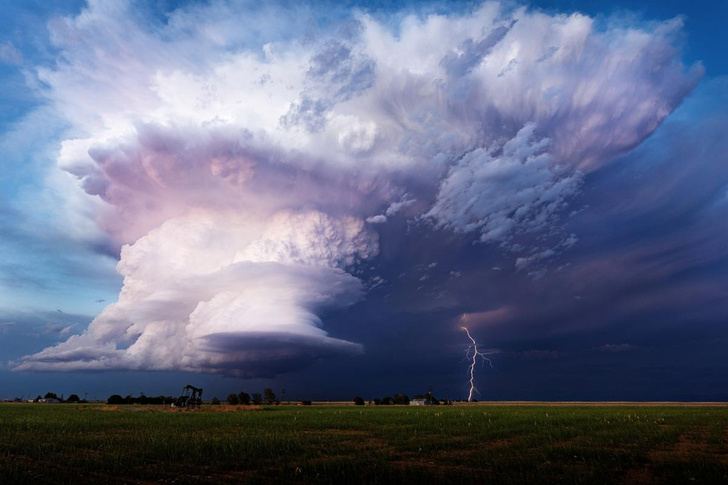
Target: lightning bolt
[{"x": 472, "y": 353}]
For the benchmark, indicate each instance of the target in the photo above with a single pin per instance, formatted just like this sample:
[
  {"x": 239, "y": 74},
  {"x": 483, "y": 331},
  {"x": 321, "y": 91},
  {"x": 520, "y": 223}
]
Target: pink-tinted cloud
[{"x": 244, "y": 178}]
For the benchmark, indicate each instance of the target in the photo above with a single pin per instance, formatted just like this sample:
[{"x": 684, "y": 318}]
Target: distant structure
[
  {"x": 191, "y": 398},
  {"x": 420, "y": 402},
  {"x": 49, "y": 399}
]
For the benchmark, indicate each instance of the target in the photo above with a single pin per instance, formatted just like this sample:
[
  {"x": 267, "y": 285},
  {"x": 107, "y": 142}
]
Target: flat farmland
[{"x": 486, "y": 443}]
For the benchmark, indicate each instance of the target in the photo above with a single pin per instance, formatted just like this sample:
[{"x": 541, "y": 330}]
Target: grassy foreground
[{"x": 480, "y": 444}]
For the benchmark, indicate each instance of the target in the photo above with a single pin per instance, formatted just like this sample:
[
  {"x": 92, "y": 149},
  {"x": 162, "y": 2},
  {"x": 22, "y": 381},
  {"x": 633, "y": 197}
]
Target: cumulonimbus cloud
[{"x": 243, "y": 177}]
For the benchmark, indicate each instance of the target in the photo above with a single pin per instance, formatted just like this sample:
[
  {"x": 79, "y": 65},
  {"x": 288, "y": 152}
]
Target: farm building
[{"x": 420, "y": 402}]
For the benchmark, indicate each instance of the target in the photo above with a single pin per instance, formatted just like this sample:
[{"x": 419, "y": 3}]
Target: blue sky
[{"x": 317, "y": 198}]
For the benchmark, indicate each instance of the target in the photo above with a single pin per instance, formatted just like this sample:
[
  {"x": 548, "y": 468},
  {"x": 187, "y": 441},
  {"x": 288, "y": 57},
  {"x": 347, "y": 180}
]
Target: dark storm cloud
[
  {"x": 642, "y": 294},
  {"x": 266, "y": 354}
]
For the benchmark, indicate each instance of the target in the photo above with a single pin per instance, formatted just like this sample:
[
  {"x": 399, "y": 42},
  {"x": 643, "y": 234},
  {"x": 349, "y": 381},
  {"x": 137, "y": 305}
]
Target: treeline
[
  {"x": 53, "y": 397},
  {"x": 268, "y": 397},
  {"x": 142, "y": 399},
  {"x": 401, "y": 399}
]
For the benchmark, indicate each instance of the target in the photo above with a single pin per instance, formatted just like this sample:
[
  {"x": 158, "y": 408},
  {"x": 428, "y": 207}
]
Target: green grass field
[{"x": 63, "y": 443}]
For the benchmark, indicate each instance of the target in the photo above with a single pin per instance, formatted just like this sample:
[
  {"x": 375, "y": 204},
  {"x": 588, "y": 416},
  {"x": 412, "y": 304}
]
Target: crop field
[{"x": 66, "y": 443}]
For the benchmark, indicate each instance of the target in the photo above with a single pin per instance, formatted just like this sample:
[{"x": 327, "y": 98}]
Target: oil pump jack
[{"x": 191, "y": 398}]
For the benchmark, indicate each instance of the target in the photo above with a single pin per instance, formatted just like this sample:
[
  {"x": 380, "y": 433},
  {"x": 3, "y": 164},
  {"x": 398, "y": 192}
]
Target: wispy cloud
[{"x": 9, "y": 54}]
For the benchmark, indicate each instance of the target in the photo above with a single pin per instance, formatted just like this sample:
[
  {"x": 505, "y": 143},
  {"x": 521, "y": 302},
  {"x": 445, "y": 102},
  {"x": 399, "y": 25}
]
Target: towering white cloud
[
  {"x": 224, "y": 292},
  {"x": 243, "y": 161}
]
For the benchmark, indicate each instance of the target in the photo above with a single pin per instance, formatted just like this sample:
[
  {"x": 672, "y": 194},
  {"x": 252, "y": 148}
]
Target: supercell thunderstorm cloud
[{"x": 244, "y": 175}]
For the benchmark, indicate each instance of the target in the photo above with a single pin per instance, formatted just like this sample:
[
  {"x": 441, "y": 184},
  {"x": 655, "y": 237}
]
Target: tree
[
  {"x": 50, "y": 395},
  {"x": 358, "y": 401},
  {"x": 232, "y": 399},
  {"x": 244, "y": 398},
  {"x": 268, "y": 396},
  {"x": 215, "y": 401},
  {"x": 401, "y": 399},
  {"x": 115, "y": 399},
  {"x": 257, "y": 398},
  {"x": 73, "y": 398}
]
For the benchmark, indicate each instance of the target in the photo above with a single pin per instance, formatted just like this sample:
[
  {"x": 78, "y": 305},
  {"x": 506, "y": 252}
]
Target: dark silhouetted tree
[
  {"x": 115, "y": 399},
  {"x": 73, "y": 398},
  {"x": 257, "y": 398},
  {"x": 50, "y": 395},
  {"x": 244, "y": 398},
  {"x": 358, "y": 401},
  {"x": 268, "y": 396},
  {"x": 401, "y": 399},
  {"x": 232, "y": 399}
]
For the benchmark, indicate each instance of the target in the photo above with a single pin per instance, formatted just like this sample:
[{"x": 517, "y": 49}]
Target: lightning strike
[{"x": 472, "y": 353}]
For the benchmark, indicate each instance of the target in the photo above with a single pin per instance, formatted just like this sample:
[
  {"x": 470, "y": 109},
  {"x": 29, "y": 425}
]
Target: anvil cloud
[{"x": 244, "y": 170}]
